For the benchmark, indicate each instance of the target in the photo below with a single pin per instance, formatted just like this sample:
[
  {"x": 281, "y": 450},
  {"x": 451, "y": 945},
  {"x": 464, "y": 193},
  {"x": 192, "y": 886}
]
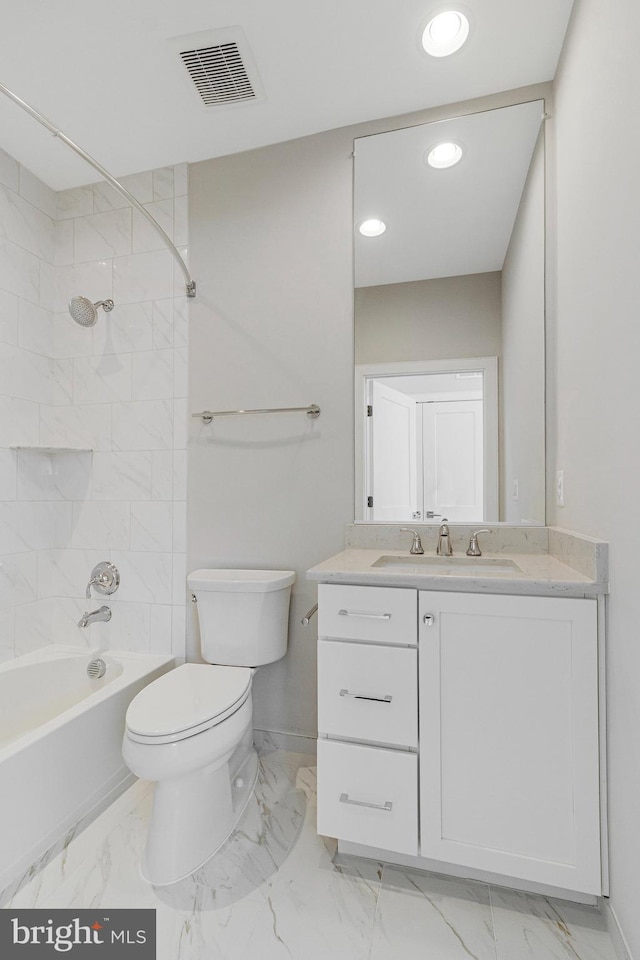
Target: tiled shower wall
[
  {"x": 117, "y": 389},
  {"x": 27, "y": 238}
]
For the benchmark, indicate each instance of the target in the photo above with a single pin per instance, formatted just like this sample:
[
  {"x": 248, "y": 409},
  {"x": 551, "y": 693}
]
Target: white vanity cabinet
[{"x": 461, "y": 729}]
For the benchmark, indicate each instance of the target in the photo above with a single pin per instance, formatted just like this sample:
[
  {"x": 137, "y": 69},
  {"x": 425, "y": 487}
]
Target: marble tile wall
[
  {"x": 28, "y": 523},
  {"x": 118, "y": 388}
]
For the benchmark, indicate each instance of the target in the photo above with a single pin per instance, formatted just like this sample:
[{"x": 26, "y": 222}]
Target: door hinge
[
  {"x": 369, "y": 501},
  {"x": 369, "y": 410}
]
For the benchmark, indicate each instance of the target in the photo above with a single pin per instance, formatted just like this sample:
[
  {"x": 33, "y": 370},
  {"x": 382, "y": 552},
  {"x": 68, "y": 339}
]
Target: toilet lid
[{"x": 186, "y": 700}]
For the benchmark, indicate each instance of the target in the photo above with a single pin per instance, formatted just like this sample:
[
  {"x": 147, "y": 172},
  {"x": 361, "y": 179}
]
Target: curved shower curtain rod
[{"x": 191, "y": 284}]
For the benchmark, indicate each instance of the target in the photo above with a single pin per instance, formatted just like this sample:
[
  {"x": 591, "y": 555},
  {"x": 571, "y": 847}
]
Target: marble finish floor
[{"x": 277, "y": 891}]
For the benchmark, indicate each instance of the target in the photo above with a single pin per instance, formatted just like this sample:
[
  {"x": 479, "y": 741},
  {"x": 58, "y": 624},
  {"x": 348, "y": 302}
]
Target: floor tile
[
  {"x": 422, "y": 916},
  {"x": 278, "y": 891},
  {"x": 529, "y": 927},
  {"x": 320, "y": 909}
]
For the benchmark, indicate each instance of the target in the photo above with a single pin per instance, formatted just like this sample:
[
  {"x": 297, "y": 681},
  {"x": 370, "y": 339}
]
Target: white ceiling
[
  {"x": 107, "y": 72},
  {"x": 442, "y": 223}
]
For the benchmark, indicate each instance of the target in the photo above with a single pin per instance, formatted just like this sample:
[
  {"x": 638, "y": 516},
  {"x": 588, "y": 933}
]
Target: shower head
[{"x": 85, "y": 312}]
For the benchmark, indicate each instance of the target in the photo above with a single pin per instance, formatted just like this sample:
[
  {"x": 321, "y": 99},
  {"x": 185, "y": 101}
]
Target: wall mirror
[{"x": 449, "y": 320}]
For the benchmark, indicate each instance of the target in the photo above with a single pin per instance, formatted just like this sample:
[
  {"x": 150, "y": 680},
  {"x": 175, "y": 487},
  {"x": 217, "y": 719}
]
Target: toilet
[{"x": 191, "y": 730}]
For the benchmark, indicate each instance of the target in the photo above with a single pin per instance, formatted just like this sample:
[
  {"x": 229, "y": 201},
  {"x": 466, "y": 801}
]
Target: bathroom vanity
[{"x": 459, "y": 712}]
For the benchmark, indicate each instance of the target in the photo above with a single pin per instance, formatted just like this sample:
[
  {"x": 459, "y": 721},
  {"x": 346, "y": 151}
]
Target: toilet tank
[{"x": 243, "y": 614}]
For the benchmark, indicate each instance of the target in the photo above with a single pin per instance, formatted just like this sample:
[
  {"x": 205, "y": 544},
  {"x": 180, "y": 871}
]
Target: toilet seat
[{"x": 186, "y": 701}]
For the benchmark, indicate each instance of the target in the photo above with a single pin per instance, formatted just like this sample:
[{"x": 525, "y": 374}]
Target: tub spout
[{"x": 104, "y": 613}]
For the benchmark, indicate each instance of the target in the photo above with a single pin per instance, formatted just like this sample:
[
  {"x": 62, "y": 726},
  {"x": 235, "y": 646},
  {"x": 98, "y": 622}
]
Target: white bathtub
[{"x": 60, "y": 744}]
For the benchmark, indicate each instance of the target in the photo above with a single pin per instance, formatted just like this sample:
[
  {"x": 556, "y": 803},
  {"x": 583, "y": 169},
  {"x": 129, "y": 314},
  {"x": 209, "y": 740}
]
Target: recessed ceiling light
[
  {"x": 445, "y": 33},
  {"x": 444, "y": 155},
  {"x": 372, "y": 228}
]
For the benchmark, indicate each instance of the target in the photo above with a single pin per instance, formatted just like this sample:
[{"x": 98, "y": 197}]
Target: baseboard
[
  {"x": 614, "y": 930},
  {"x": 267, "y": 741}
]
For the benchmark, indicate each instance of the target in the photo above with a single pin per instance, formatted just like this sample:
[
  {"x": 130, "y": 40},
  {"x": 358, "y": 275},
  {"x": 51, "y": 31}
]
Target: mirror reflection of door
[
  {"x": 393, "y": 451},
  {"x": 429, "y": 442},
  {"x": 452, "y": 459}
]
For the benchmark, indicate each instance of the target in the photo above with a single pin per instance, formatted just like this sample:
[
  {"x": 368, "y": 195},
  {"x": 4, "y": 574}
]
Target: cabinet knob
[{"x": 428, "y": 619}]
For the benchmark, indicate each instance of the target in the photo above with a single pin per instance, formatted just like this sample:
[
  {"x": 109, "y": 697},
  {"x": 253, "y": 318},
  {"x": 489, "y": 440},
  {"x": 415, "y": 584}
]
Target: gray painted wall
[
  {"x": 272, "y": 326},
  {"x": 429, "y": 319},
  {"x": 595, "y": 346},
  {"x": 522, "y": 372}
]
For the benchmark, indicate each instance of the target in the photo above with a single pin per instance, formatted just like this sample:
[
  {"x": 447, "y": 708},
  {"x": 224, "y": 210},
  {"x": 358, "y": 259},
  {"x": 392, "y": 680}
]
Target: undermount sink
[{"x": 456, "y": 566}]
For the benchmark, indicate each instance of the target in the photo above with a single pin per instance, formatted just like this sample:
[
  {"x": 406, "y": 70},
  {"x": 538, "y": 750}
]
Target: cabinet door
[{"x": 509, "y": 736}]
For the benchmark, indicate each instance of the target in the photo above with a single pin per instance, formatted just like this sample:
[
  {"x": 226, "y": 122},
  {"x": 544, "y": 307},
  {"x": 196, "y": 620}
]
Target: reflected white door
[
  {"x": 452, "y": 436},
  {"x": 392, "y": 439}
]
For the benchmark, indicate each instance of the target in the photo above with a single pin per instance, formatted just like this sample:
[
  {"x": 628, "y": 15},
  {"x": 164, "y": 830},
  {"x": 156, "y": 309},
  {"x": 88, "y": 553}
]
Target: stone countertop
[{"x": 539, "y": 574}]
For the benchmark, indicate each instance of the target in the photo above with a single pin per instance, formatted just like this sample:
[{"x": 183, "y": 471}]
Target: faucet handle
[
  {"x": 416, "y": 546},
  {"x": 91, "y": 583},
  {"x": 473, "y": 549},
  {"x": 105, "y": 577}
]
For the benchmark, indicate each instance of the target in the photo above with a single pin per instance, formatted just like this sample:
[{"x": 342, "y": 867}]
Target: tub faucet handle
[
  {"x": 105, "y": 577},
  {"x": 89, "y": 585}
]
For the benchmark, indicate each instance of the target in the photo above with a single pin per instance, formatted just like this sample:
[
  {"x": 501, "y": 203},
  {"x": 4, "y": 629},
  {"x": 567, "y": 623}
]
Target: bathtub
[{"x": 60, "y": 744}]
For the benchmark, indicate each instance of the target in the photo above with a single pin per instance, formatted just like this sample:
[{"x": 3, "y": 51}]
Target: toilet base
[{"x": 194, "y": 815}]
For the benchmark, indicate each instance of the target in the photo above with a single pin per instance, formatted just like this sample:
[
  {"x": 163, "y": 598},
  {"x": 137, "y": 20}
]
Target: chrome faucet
[
  {"x": 416, "y": 546},
  {"x": 443, "y": 547},
  {"x": 104, "y": 613}
]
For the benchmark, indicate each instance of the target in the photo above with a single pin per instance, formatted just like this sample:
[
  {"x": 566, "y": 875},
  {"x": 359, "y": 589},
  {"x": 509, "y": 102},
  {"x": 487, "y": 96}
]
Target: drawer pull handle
[
  {"x": 369, "y": 616},
  {"x": 428, "y": 619},
  {"x": 366, "y": 696},
  {"x": 344, "y": 798}
]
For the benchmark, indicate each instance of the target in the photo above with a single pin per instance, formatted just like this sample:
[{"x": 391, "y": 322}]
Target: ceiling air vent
[{"x": 219, "y": 73}]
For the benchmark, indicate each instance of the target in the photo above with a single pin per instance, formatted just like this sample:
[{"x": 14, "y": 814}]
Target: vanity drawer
[
  {"x": 368, "y": 795},
  {"x": 376, "y": 614},
  {"x": 368, "y": 692}
]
